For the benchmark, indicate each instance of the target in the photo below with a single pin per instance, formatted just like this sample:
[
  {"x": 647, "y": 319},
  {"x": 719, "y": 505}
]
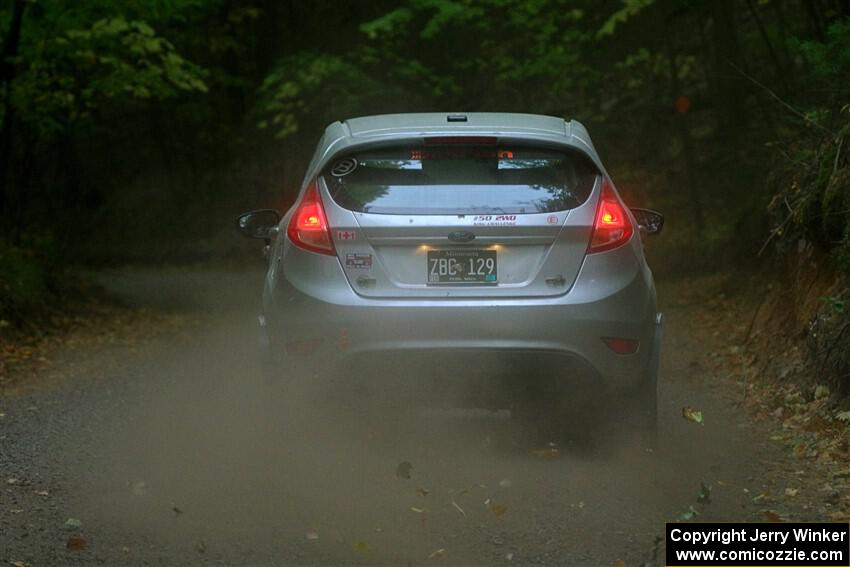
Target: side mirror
[
  {"x": 649, "y": 222},
  {"x": 261, "y": 224}
]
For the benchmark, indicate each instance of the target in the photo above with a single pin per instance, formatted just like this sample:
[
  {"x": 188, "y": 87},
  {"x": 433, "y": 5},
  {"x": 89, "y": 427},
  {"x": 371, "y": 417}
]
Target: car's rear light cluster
[
  {"x": 613, "y": 226},
  {"x": 308, "y": 226}
]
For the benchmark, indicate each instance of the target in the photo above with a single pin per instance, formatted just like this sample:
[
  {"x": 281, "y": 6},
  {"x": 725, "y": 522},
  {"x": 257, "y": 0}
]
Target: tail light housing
[
  {"x": 308, "y": 226},
  {"x": 613, "y": 226}
]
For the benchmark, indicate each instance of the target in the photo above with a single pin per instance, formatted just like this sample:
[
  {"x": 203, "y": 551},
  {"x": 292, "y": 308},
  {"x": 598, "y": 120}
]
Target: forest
[
  {"x": 135, "y": 427},
  {"x": 133, "y": 131}
]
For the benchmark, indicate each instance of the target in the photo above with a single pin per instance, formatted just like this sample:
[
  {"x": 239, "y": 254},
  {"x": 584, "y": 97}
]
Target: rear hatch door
[{"x": 460, "y": 218}]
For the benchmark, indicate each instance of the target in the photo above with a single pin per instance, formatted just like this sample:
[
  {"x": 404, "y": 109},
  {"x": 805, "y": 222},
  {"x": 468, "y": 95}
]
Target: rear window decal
[
  {"x": 494, "y": 220},
  {"x": 344, "y": 167}
]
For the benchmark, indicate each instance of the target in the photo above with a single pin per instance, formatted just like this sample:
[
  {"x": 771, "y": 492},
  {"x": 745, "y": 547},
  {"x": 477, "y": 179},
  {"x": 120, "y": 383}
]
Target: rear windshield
[{"x": 460, "y": 180}]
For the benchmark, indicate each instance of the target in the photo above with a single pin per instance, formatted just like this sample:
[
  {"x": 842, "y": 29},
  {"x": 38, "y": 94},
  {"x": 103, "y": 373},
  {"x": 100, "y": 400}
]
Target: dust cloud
[{"x": 213, "y": 458}]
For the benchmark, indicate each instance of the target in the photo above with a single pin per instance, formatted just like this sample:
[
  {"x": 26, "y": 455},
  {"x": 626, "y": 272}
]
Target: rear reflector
[
  {"x": 621, "y": 346},
  {"x": 461, "y": 141}
]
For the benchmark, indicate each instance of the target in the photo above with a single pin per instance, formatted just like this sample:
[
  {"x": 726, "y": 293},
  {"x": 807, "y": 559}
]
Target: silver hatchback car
[{"x": 485, "y": 249}]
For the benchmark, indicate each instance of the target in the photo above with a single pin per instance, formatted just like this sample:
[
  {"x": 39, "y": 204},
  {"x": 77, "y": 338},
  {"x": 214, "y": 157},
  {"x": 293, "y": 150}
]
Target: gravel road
[{"x": 176, "y": 453}]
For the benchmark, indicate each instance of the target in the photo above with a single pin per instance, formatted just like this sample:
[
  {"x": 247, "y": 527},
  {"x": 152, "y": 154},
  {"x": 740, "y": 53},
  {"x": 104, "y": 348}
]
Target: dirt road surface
[{"x": 173, "y": 452}]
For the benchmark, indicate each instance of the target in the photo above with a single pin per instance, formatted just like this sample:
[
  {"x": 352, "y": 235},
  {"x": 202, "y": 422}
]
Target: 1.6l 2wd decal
[{"x": 494, "y": 220}]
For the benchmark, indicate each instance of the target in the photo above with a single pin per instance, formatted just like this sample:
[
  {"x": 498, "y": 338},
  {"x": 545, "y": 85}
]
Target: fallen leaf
[
  {"x": 772, "y": 516},
  {"x": 693, "y": 415},
  {"x": 41, "y": 493},
  {"x": 422, "y": 491},
  {"x": 459, "y": 509},
  {"x": 75, "y": 543},
  {"x": 843, "y": 416},
  {"x": 439, "y": 553},
  {"x": 361, "y": 547},
  {"x": 73, "y": 523},
  {"x": 417, "y": 510},
  {"x": 200, "y": 547},
  {"x": 403, "y": 470},
  {"x": 20, "y": 564},
  {"x": 509, "y": 556},
  {"x": 312, "y": 535},
  {"x": 505, "y": 483},
  {"x": 12, "y": 480},
  {"x": 791, "y": 492},
  {"x": 619, "y": 563},
  {"x": 498, "y": 509},
  {"x": 690, "y": 514}
]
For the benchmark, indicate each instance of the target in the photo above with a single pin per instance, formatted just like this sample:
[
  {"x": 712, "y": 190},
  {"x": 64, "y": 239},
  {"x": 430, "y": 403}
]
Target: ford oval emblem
[{"x": 461, "y": 236}]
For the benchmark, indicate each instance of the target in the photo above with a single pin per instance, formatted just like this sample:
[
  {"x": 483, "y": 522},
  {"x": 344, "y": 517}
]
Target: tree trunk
[
  {"x": 814, "y": 19},
  {"x": 693, "y": 191},
  {"x": 777, "y": 64},
  {"x": 7, "y": 75},
  {"x": 732, "y": 119}
]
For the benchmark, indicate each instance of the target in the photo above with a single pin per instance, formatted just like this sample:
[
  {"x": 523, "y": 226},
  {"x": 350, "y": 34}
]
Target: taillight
[
  {"x": 308, "y": 226},
  {"x": 612, "y": 227}
]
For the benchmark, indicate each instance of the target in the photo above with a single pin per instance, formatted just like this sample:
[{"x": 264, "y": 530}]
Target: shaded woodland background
[{"x": 134, "y": 131}]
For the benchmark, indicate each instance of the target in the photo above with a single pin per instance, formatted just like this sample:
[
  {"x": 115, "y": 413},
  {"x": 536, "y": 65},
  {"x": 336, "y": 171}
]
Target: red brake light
[
  {"x": 461, "y": 141},
  {"x": 613, "y": 227},
  {"x": 308, "y": 226}
]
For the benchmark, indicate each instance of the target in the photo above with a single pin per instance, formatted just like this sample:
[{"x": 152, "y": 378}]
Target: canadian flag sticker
[{"x": 346, "y": 235}]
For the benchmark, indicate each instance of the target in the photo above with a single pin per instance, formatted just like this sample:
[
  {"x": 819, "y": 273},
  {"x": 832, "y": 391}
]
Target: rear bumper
[{"x": 566, "y": 332}]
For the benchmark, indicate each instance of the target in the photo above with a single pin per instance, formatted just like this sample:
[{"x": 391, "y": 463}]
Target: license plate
[{"x": 462, "y": 267}]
